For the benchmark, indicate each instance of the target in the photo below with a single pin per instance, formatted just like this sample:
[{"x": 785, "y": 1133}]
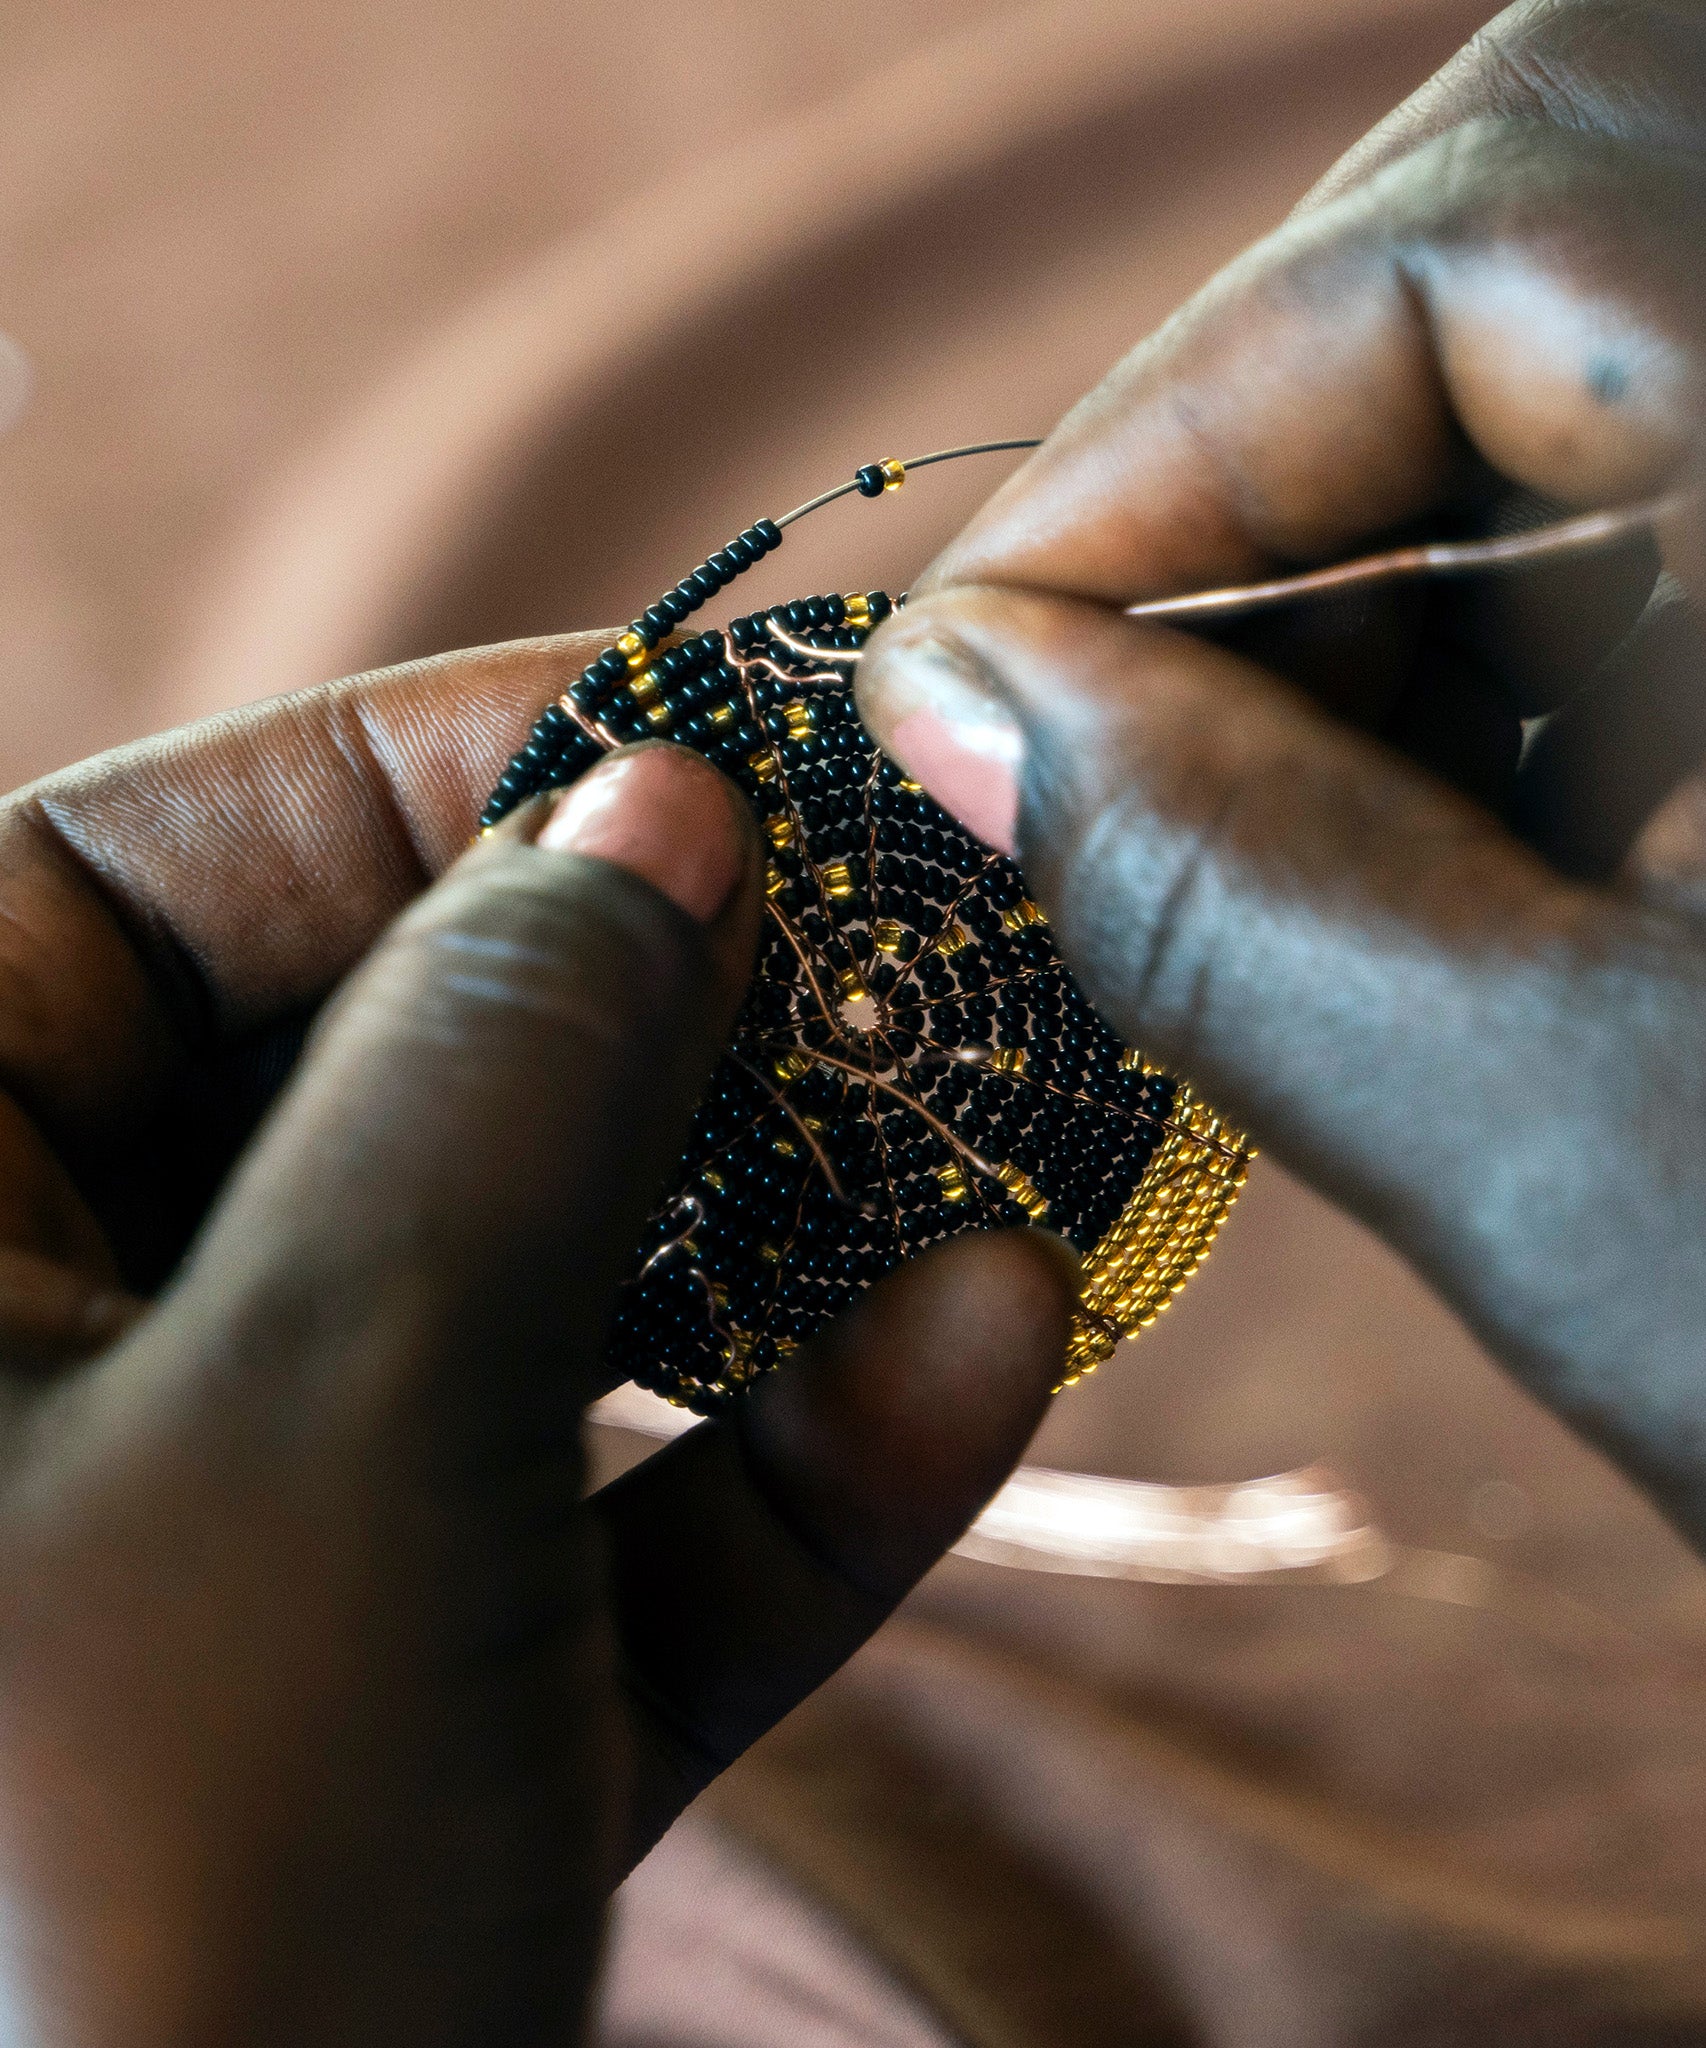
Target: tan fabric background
[{"x": 358, "y": 330}]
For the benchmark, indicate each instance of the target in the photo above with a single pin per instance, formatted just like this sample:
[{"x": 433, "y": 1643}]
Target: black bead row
[
  {"x": 886, "y": 895},
  {"x": 556, "y": 743}
]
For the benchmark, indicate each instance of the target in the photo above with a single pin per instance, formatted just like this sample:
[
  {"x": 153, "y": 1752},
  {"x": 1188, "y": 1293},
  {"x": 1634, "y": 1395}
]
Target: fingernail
[
  {"x": 932, "y": 708},
  {"x": 664, "y": 815}
]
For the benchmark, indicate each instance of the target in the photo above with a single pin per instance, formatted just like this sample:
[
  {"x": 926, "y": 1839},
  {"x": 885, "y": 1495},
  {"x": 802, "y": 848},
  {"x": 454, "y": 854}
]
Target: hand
[
  {"x": 329, "y": 1711},
  {"x": 1456, "y": 982}
]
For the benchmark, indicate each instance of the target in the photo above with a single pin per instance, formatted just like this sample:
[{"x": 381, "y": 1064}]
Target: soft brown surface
[{"x": 361, "y": 330}]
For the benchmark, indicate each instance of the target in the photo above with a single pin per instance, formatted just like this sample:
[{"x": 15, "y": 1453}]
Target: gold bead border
[{"x": 1161, "y": 1235}]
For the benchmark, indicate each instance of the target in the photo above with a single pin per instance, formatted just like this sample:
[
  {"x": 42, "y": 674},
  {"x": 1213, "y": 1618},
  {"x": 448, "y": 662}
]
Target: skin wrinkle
[
  {"x": 1112, "y": 838},
  {"x": 357, "y": 740}
]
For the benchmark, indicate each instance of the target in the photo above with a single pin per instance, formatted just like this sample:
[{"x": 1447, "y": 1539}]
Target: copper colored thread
[{"x": 1431, "y": 558}]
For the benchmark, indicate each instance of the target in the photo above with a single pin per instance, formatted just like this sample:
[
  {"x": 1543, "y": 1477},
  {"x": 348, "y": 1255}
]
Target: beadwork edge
[{"x": 1162, "y": 1234}]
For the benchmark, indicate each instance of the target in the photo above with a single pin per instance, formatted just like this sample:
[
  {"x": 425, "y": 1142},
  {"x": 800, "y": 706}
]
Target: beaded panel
[{"x": 913, "y": 1058}]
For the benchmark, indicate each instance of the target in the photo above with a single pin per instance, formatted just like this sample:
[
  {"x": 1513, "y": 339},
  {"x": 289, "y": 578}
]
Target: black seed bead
[
  {"x": 870, "y": 481},
  {"x": 724, "y": 564},
  {"x": 923, "y": 870},
  {"x": 768, "y": 532}
]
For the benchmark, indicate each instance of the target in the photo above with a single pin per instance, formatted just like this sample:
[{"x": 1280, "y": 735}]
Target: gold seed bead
[
  {"x": 780, "y": 830},
  {"x": 1023, "y": 1190},
  {"x": 644, "y": 688},
  {"x": 838, "y": 878},
  {"x": 912, "y": 788},
  {"x": 790, "y": 1066},
  {"x": 952, "y": 939},
  {"x": 888, "y": 936},
  {"x": 1135, "y": 1062},
  {"x": 784, "y": 1146},
  {"x": 799, "y": 719},
  {"x": 894, "y": 473},
  {"x": 954, "y": 1187},
  {"x": 724, "y": 714},
  {"x": 1008, "y": 1059},
  {"x": 775, "y": 882},
  {"x": 712, "y": 1179},
  {"x": 857, "y": 607},
  {"x": 762, "y": 764},
  {"x": 659, "y": 715}
]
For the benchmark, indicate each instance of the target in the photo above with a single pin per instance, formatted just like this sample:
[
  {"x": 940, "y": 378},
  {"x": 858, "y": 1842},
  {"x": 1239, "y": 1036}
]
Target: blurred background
[{"x": 342, "y": 331}]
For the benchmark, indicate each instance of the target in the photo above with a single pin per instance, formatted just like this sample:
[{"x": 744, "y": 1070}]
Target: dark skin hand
[
  {"x": 1455, "y": 981},
  {"x": 330, "y": 1712}
]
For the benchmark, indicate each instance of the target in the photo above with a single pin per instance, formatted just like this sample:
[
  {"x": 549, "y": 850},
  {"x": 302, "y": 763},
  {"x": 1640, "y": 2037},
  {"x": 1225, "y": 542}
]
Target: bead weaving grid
[{"x": 913, "y": 1058}]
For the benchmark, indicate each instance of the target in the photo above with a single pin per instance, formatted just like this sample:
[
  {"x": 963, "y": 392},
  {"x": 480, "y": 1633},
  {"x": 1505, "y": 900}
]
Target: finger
[
  {"x": 1508, "y": 302},
  {"x": 1398, "y": 998},
  {"x": 1633, "y": 73},
  {"x": 170, "y": 915},
  {"x": 453, "y": 1184},
  {"x": 188, "y": 890},
  {"x": 753, "y": 1556}
]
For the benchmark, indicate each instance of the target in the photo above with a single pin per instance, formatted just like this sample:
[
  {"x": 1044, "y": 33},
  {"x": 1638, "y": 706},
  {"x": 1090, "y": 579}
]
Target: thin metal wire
[
  {"x": 1564, "y": 537},
  {"x": 1434, "y": 558},
  {"x": 911, "y": 462}
]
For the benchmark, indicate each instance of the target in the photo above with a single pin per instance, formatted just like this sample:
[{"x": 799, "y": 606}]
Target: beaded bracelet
[{"x": 913, "y": 1058}]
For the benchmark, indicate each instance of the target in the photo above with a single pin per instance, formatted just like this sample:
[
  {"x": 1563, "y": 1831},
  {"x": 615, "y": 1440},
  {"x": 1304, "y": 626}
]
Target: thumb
[
  {"x": 1363, "y": 968},
  {"x": 310, "y": 1614},
  {"x": 451, "y": 1191}
]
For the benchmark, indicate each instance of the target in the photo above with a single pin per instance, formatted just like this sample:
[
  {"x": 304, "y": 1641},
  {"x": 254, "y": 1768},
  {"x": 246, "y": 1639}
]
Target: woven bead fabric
[{"x": 913, "y": 1059}]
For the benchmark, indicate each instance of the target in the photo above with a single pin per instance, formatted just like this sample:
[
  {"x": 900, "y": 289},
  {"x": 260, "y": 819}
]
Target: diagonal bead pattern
[{"x": 913, "y": 1059}]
